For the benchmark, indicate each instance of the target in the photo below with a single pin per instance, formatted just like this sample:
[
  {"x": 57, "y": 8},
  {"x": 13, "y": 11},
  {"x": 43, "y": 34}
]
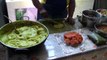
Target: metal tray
[{"x": 57, "y": 48}]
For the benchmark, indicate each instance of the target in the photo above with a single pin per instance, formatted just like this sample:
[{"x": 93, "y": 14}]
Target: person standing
[{"x": 56, "y": 9}]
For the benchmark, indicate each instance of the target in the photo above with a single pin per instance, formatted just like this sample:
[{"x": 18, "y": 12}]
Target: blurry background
[
  {"x": 100, "y": 4},
  {"x": 12, "y": 5},
  {"x": 3, "y": 11}
]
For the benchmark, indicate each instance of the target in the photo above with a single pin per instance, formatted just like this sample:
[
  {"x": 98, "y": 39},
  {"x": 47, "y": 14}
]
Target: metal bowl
[
  {"x": 8, "y": 28},
  {"x": 103, "y": 12},
  {"x": 100, "y": 29},
  {"x": 90, "y": 17}
]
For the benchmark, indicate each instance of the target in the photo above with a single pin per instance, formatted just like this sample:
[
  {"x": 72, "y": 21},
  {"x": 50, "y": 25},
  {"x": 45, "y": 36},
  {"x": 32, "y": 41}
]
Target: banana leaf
[{"x": 97, "y": 39}]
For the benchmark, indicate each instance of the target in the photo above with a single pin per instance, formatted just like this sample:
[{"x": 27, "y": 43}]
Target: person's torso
[
  {"x": 56, "y": 8},
  {"x": 56, "y": 4}
]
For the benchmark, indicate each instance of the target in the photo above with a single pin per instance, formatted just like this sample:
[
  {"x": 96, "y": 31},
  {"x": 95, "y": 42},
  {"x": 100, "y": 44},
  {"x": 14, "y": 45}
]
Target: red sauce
[
  {"x": 72, "y": 38},
  {"x": 103, "y": 28}
]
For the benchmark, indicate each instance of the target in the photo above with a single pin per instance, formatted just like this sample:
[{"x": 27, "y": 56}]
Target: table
[{"x": 42, "y": 54}]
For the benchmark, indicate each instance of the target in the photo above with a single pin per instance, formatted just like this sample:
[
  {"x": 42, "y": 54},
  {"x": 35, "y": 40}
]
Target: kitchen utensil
[
  {"x": 8, "y": 28},
  {"x": 16, "y": 31},
  {"x": 101, "y": 29},
  {"x": 89, "y": 18}
]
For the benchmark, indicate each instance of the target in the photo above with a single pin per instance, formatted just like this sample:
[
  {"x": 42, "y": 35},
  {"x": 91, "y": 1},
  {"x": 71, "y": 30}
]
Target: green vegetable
[
  {"x": 97, "y": 39},
  {"x": 58, "y": 25},
  {"x": 27, "y": 37}
]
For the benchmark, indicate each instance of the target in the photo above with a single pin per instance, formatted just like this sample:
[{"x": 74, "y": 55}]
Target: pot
[
  {"x": 103, "y": 12},
  {"x": 7, "y": 29},
  {"x": 101, "y": 29},
  {"x": 89, "y": 18}
]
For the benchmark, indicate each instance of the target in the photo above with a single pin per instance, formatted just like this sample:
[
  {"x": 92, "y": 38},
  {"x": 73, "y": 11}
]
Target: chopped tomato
[{"x": 72, "y": 38}]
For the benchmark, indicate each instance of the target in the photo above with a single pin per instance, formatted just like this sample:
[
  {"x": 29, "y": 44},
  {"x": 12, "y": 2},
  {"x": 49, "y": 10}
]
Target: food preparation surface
[
  {"x": 50, "y": 25},
  {"x": 57, "y": 48}
]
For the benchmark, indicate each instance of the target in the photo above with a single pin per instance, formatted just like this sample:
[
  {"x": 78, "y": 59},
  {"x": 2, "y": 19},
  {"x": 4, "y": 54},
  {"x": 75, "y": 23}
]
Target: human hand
[
  {"x": 70, "y": 20},
  {"x": 44, "y": 13}
]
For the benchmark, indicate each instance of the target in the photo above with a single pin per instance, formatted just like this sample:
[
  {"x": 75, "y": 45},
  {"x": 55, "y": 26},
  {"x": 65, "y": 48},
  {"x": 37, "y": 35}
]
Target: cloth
[{"x": 55, "y": 8}]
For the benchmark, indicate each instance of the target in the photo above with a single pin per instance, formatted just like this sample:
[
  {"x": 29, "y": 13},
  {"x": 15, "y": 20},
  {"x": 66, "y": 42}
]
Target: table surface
[{"x": 100, "y": 54}]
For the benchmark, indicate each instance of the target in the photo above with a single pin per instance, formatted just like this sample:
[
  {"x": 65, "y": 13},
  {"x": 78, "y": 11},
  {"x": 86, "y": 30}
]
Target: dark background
[{"x": 3, "y": 11}]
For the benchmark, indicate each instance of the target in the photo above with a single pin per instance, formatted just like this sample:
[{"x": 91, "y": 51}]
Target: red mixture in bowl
[
  {"x": 102, "y": 28},
  {"x": 73, "y": 38}
]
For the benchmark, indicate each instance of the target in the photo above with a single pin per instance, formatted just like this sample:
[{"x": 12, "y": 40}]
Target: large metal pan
[{"x": 8, "y": 28}]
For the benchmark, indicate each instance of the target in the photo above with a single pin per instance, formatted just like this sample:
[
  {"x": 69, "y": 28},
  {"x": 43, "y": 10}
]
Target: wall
[
  {"x": 18, "y": 4},
  {"x": 100, "y": 4},
  {"x": 83, "y": 5}
]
